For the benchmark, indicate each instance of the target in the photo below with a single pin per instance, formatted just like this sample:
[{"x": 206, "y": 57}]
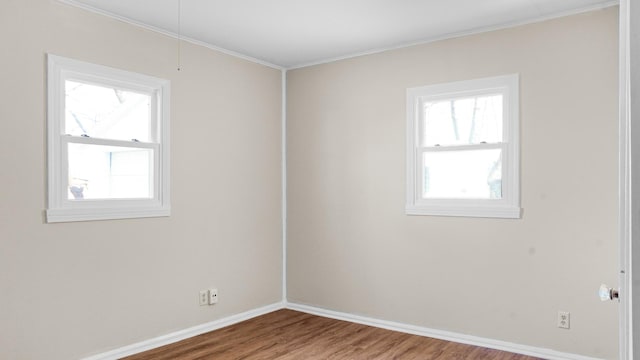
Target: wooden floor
[{"x": 288, "y": 334}]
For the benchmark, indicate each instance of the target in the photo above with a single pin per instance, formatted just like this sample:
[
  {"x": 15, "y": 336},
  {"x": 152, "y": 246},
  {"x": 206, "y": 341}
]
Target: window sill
[
  {"x": 72, "y": 215},
  {"x": 504, "y": 212}
]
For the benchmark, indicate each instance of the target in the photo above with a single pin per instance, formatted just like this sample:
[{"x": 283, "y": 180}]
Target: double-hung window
[
  {"x": 462, "y": 148},
  {"x": 108, "y": 143}
]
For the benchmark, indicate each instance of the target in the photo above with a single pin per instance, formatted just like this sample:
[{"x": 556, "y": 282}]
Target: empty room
[{"x": 413, "y": 179}]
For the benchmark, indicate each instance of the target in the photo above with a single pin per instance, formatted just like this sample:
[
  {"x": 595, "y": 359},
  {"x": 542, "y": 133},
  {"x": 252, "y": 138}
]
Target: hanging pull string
[{"x": 179, "y": 57}]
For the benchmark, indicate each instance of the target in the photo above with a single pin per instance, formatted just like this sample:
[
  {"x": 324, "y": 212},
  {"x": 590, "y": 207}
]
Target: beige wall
[
  {"x": 351, "y": 248},
  {"x": 74, "y": 289}
]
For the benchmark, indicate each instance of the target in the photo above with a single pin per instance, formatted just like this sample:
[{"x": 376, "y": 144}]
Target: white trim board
[
  {"x": 440, "y": 334},
  {"x": 628, "y": 193},
  {"x": 184, "y": 334},
  {"x": 283, "y": 132}
]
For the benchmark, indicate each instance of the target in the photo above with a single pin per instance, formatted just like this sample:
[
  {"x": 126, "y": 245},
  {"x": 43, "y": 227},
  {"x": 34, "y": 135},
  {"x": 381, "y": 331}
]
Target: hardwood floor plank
[{"x": 292, "y": 335}]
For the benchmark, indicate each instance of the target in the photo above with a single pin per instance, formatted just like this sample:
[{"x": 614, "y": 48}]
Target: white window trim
[
  {"x": 509, "y": 205},
  {"x": 59, "y": 208}
]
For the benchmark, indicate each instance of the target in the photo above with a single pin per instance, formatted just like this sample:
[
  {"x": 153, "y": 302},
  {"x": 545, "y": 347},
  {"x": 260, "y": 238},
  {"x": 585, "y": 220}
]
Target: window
[
  {"x": 462, "y": 149},
  {"x": 108, "y": 143}
]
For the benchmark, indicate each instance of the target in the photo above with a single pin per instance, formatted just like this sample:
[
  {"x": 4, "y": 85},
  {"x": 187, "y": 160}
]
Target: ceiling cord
[{"x": 179, "y": 55}]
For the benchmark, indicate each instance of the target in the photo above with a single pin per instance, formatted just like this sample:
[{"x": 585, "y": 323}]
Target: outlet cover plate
[
  {"x": 564, "y": 319},
  {"x": 213, "y": 296},
  {"x": 203, "y": 297}
]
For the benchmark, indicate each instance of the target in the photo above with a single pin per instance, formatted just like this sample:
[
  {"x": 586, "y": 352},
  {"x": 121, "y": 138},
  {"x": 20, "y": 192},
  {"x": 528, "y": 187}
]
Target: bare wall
[
  {"x": 351, "y": 248},
  {"x": 75, "y": 289}
]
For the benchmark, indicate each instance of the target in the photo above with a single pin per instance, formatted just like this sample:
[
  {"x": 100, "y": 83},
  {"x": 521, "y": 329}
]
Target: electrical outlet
[
  {"x": 564, "y": 319},
  {"x": 203, "y": 297},
  {"x": 213, "y": 296}
]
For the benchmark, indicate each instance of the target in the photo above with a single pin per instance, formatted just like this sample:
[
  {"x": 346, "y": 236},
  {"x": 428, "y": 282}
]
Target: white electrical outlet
[
  {"x": 564, "y": 319},
  {"x": 213, "y": 296},
  {"x": 203, "y": 297}
]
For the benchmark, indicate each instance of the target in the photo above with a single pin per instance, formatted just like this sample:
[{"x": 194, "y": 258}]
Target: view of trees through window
[{"x": 461, "y": 151}]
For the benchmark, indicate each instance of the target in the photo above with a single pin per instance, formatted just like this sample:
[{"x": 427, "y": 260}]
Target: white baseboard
[
  {"x": 439, "y": 334},
  {"x": 184, "y": 334},
  {"x": 389, "y": 325}
]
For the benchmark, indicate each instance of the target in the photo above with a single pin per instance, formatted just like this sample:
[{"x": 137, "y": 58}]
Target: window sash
[
  {"x": 423, "y": 100},
  {"x": 65, "y": 202},
  {"x": 155, "y": 110},
  {"x": 419, "y": 174}
]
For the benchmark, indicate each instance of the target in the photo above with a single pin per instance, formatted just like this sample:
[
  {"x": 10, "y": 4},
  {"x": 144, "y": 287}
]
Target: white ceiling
[{"x": 294, "y": 33}]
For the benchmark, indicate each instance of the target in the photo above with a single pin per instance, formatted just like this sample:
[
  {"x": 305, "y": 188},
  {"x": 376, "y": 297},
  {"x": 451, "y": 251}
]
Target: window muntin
[
  {"x": 462, "y": 148},
  {"x": 108, "y": 138}
]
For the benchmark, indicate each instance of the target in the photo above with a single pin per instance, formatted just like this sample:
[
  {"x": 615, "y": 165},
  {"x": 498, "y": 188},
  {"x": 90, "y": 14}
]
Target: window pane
[
  {"x": 463, "y": 121},
  {"x": 106, "y": 112},
  {"x": 468, "y": 174},
  {"x": 109, "y": 172}
]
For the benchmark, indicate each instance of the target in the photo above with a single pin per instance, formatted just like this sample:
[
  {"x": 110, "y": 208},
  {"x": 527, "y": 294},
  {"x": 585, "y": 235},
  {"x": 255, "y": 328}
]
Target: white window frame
[
  {"x": 509, "y": 205},
  {"x": 59, "y": 207}
]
